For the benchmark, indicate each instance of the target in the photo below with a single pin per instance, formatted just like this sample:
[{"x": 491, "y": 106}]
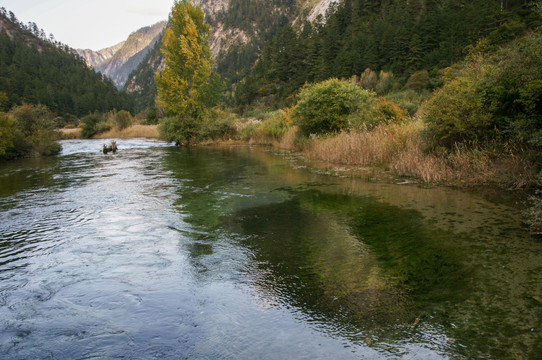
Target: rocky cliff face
[
  {"x": 95, "y": 58},
  {"x": 319, "y": 8},
  {"x": 219, "y": 38},
  {"x": 117, "y": 62}
]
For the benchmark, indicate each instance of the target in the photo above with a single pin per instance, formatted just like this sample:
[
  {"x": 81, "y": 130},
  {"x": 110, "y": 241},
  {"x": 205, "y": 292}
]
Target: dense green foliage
[
  {"x": 93, "y": 124},
  {"x": 6, "y": 133},
  {"x": 27, "y": 130},
  {"x": 334, "y": 105},
  {"x": 327, "y": 107},
  {"x": 123, "y": 119},
  {"x": 37, "y": 70},
  {"x": 493, "y": 96},
  {"x": 401, "y": 37}
]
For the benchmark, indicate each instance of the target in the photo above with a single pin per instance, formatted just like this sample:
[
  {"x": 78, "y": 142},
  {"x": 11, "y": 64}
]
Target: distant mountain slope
[
  {"x": 35, "y": 70},
  {"x": 94, "y": 58},
  {"x": 140, "y": 83},
  {"x": 118, "y": 61}
]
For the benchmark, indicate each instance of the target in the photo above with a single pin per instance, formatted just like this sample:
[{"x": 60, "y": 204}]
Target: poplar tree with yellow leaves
[{"x": 187, "y": 86}]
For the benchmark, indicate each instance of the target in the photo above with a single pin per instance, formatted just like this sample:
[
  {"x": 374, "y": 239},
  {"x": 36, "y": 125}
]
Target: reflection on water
[{"x": 234, "y": 253}]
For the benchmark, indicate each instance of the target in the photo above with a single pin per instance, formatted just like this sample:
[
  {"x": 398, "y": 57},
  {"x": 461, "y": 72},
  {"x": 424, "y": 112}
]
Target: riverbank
[
  {"x": 399, "y": 149},
  {"x": 134, "y": 131},
  {"x": 398, "y": 153}
]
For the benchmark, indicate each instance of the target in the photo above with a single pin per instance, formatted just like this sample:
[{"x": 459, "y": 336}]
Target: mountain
[
  {"x": 35, "y": 69},
  {"x": 95, "y": 58},
  {"x": 140, "y": 84},
  {"x": 239, "y": 30},
  {"x": 267, "y": 49},
  {"x": 118, "y": 61}
]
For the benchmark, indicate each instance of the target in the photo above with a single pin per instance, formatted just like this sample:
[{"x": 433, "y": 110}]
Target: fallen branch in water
[{"x": 111, "y": 148}]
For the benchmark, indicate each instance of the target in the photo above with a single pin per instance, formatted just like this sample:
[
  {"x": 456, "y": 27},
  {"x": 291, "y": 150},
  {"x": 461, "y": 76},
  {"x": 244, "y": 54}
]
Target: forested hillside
[
  {"x": 239, "y": 30},
  {"x": 38, "y": 70},
  {"x": 399, "y": 37},
  {"x": 140, "y": 83},
  {"x": 274, "y": 49}
]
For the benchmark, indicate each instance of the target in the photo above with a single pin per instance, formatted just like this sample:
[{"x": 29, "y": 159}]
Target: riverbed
[{"x": 237, "y": 252}]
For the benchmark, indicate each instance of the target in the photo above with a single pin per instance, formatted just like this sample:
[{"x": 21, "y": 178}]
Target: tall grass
[
  {"x": 268, "y": 129},
  {"x": 134, "y": 131},
  {"x": 400, "y": 148}
]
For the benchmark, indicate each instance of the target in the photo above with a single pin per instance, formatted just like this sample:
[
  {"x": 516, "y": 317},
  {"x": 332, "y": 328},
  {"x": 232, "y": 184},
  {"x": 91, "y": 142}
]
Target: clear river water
[{"x": 240, "y": 253}]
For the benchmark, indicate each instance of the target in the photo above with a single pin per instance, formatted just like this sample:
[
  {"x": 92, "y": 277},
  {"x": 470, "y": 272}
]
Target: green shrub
[
  {"x": 44, "y": 143},
  {"x": 219, "y": 126},
  {"x": 386, "y": 82},
  {"x": 151, "y": 116},
  {"x": 92, "y": 124},
  {"x": 31, "y": 118},
  {"x": 29, "y": 130},
  {"x": 418, "y": 81},
  {"x": 181, "y": 131},
  {"x": 123, "y": 119},
  {"x": 368, "y": 79},
  {"x": 273, "y": 125},
  {"x": 408, "y": 99},
  {"x": 528, "y": 124},
  {"x": 455, "y": 114},
  {"x": 186, "y": 130},
  {"x": 494, "y": 96},
  {"x": 388, "y": 111},
  {"x": 103, "y": 126},
  {"x": 328, "y": 106},
  {"x": 248, "y": 132},
  {"x": 4, "y": 101},
  {"x": 6, "y": 133}
]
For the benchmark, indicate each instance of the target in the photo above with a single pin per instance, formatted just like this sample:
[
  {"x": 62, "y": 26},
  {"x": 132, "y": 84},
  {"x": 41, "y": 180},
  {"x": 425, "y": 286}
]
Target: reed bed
[
  {"x": 400, "y": 148},
  {"x": 135, "y": 131}
]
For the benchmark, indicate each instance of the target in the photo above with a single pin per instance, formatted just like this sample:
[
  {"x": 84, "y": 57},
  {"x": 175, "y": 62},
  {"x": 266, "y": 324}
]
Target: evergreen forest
[
  {"x": 399, "y": 37},
  {"x": 36, "y": 69}
]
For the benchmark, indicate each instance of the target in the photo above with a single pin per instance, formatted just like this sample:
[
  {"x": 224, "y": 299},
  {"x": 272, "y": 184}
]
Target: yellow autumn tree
[{"x": 187, "y": 87}]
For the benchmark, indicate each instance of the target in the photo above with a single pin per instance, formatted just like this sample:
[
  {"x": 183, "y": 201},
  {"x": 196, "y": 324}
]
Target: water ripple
[{"x": 159, "y": 252}]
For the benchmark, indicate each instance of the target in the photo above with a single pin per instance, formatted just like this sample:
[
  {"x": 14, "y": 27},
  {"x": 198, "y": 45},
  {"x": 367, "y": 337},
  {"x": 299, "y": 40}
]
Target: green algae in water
[
  {"x": 387, "y": 273},
  {"x": 354, "y": 255}
]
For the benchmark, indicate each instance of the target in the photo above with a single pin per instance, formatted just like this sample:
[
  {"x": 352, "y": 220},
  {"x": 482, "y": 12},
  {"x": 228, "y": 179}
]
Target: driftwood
[{"x": 111, "y": 148}]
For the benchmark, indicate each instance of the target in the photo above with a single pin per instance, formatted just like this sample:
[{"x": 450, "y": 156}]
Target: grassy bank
[
  {"x": 401, "y": 149},
  {"x": 134, "y": 131},
  {"x": 398, "y": 148}
]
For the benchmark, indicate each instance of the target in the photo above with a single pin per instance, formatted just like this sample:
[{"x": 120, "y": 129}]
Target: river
[{"x": 237, "y": 252}]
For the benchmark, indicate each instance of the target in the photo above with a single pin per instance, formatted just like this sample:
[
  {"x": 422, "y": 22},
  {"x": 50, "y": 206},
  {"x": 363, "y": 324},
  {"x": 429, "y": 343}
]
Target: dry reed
[
  {"x": 286, "y": 142},
  {"x": 400, "y": 149},
  {"x": 67, "y": 134},
  {"x": 135, "y": 131}
]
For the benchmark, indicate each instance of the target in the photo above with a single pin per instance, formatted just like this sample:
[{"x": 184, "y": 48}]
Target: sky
[{"x": 89, "y": 24}]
